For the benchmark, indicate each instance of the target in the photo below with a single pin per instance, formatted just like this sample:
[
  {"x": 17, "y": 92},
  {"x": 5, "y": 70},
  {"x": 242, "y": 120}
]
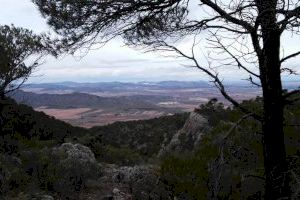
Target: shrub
[
  {"x": 12, "y": 176},
  {"x": 64, "y": 170}
]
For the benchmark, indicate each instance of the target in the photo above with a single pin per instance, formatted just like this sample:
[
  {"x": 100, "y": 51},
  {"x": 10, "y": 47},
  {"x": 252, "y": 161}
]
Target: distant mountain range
[
  {"x": 71, "y": 87},
  {"x": 78, "y": 100},
  {"x": 92, "y": 104},
  {"x": 116, "y": 86}
]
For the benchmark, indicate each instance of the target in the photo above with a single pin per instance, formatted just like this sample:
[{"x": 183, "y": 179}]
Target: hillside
[
  {"x": 36, "y": 142},
  {"x": 179, "y": 155},
  {"x": 32, "y": 124},
  {"x": 37, "y": 125},
  {"x": 87, "y": 110},
  {"x": 144, "y": 138}
]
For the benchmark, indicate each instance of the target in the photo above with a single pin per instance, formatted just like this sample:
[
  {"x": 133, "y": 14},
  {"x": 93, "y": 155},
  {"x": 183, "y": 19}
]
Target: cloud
[
  {"x": 22, "y": 13},
  {"x": 114, "y": 61}
]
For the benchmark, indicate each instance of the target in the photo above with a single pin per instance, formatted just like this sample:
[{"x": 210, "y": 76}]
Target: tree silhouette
[
  {"x": 248, "y": 32},
  {"x": 20, "y": 53}
]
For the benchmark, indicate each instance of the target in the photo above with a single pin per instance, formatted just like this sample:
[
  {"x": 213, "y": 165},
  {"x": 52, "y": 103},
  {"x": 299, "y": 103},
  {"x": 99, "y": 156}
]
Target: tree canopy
[
  {"x": 83, "y": 22},
  {"x": 20, "y": 53}
]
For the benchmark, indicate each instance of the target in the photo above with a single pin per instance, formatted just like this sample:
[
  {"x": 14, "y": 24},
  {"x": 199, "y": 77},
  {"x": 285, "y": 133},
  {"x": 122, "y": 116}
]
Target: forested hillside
[
  {"x": 32, "y": 144},
  {"x": 213, "y": 153}
]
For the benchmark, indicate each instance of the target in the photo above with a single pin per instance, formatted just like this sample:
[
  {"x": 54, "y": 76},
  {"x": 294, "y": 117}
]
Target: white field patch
[
  {"x": 200, "y": 99},
  {"x": 168, "y": 103}
]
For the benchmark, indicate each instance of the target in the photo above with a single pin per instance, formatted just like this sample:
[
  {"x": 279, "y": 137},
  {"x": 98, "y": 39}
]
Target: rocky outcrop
[
  {"x": 189, "y": 136},
  {"x": 126, "y": 183},
  {"x": 75, "y": 152},
  {"x": 76, "y": 165}
]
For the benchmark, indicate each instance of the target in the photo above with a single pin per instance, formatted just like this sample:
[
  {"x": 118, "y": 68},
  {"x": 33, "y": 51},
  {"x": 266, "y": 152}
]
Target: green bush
[
  {"x": 64, "y": 170},
  {"x": 12, "y": 176},
  {"x": 226, "y": 165},
  {"x": 185, "y": 176},
  {"x": 120, "y": 156}
]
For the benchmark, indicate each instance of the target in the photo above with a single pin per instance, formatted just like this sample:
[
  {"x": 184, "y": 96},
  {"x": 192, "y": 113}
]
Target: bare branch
[
  {"x": 215, "y": 79},
  {"x": 291, "y": 97},
  {"x": 240, "y": 65},
  {"x": 235, "y": 125},
  {"x": 250, "y": 79},
  {"x": 228, "y": 16},
  {"x": 290, "y": 71},
  {"x": 292, "y": 93},
  {"x": 289, "y": 57},
  {"x": 288, "y": 15}
]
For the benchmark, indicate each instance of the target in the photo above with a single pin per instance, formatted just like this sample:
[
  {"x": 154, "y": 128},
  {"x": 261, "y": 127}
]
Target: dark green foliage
[
  {"x": 81, "y": 22},
  {"x": 229, "y": 161},
  {"x": 294, "y": 169},
  {"x": 105, "y": 152},
  {"x": 226, "y": 165},
  {"x": 16, "y": 46},
  {"x": 186, "y": 176},
  {"x": 29, "y": 136},
  {"x": 12, "y": 175},
  {"x": 214, "y": 111},
  {"x": 27, "y": 132},
  {"x": 22, "y": 122},
  {"x": 292, "y": 128},
  {"x": 133, "y": 140},
  {"x": 119, "y": 155},
  {"x": 55, "y": 171}
]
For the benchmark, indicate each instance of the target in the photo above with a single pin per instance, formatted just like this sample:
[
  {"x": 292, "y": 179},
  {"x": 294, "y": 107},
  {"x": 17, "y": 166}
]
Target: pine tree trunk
[{"x": 274, "y": 146}]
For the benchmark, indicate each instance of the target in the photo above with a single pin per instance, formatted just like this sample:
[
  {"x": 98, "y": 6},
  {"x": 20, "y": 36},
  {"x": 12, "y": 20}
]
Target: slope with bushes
[
  {"x": 228, "y": 162},
  {"x": 219, "y": 155}
]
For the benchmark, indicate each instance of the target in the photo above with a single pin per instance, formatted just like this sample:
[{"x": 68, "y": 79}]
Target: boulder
[
  {"x": 141, "y": 181},
  {"x": 74, "y": 168},
  {"x": 137, "y": 182},
  {"x": 77, "y": 152}
]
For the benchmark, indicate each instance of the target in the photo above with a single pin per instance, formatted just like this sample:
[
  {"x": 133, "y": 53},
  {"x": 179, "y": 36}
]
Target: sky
[{"x": 114, "y": 61}]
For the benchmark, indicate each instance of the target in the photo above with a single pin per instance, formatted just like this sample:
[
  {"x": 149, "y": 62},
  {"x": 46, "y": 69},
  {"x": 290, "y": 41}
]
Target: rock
[
  {"x": 187, "y": 138},
  {"x": 116, "y": 191},
  {"x": 137, "y": 182},
  {"x": 141, "y": 181},
  {"x": 36, "y": 196},
  {"x": 75, "y": 169},
  {"x": 76, "y": 158},
  {"x": 119, "y": 195},
  {"x": 77, "y": 152},
  {"x": 46, "y": 197}
]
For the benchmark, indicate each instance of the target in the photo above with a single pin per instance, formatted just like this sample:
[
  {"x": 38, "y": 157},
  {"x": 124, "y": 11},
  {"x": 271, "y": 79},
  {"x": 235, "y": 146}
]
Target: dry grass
[{"x": 64, "y": 114}]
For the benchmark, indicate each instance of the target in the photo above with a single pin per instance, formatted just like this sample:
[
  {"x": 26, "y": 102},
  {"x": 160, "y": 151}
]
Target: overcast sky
[{"x": 113, "y": 62}]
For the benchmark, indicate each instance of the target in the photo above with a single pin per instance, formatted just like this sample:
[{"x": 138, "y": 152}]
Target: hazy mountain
[
  {"x": 92, "y": 104},
  {"x": 115, "y": 86},
  {"x": 75, "y": 100}
]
